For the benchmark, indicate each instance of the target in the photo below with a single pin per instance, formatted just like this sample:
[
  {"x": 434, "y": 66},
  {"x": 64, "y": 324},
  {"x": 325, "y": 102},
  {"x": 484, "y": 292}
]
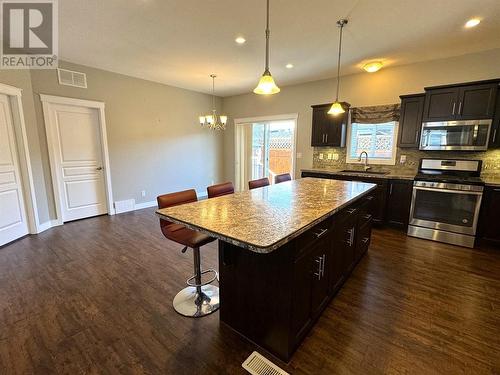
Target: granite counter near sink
[{"x": 388, "y": 176}]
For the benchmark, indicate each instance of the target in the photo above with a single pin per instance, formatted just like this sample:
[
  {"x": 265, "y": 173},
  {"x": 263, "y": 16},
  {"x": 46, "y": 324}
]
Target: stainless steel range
[{"x": 446, "y": 199}]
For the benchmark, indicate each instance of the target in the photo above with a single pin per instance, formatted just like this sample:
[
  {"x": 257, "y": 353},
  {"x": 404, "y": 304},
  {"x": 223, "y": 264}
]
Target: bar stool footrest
[{"x": 190, "y": 281}]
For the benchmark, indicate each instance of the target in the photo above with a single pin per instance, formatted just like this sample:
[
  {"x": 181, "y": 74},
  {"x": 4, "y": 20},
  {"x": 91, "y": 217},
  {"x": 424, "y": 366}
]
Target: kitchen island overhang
[{"x": 284, "y": 251}]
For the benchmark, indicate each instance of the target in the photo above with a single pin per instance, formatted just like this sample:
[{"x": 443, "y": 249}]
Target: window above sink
[{"x": 379, "y": 141}]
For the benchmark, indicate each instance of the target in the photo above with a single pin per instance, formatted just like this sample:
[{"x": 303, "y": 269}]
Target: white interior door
[
  {"x": 76, "y": 142},
  {"x": 13, "y": 223}
]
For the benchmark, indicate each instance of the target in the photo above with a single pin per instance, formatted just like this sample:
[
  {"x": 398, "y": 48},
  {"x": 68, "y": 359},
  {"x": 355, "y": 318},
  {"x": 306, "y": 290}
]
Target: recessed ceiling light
[
  {"x": 289, "y": 66},
  {"x": 240, "y": 40},
  {"x": 373, "y": 66},
  {"x": 472, "y": 22}
]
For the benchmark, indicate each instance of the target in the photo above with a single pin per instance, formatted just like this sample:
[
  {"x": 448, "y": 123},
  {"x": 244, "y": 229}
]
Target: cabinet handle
[
  {"x": 366, "y": 239},
  {"x": 390, "y": 190},
  {"x": 367, "y": 216},
  {"x": 351, "y": 236},
  {"x": 494, "y": 135},
  {"x": 319, "y": 260},
  {"x": 323, "y": 266},
  {"x": 496, "y": 189},
  {"x": 351, "y": 211},
  {"x": 369, "y": 198},
  {"x": 453, "y": 110},
  {"x": 326, "y": 138},
  {"x": 320, "y": 233},
  {"x": 459, "y": 107}
]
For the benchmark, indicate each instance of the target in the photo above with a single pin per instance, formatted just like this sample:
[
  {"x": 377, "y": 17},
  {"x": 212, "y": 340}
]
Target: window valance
[{"x": 375, "y": 114}]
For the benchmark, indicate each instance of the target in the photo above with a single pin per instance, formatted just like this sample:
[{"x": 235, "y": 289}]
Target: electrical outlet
[
  {"x": 402, "y": 159},
  {"x": 321, "y": 156},
  {"x": 335, "y": 156},
  {"x": 143, "y": 193}
]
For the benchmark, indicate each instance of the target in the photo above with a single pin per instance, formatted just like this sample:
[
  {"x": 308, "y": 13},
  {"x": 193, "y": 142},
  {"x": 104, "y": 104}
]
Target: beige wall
[
  {"x": 361, "y": 89},
  {"x": 155, "y": 143}
]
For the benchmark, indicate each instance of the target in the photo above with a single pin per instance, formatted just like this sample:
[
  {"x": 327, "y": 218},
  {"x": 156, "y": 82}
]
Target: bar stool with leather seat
[
  {"x": 198, "y": 298},
  {"x": 261, "y": 182},
  {"x": 220, "y": 189},
  {"x": 282, "y": 178}
]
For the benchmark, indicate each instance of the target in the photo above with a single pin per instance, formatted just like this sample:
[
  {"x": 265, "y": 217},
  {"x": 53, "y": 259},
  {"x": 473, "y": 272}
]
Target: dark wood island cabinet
[{"x": 284, "y": 251}]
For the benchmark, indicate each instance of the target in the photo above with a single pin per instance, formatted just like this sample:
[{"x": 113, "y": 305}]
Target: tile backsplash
[{"x": 491, "y": 160}]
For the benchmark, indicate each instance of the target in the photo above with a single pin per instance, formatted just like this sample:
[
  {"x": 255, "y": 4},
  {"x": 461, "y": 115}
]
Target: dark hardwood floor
[{"x": 94, "y": 297}]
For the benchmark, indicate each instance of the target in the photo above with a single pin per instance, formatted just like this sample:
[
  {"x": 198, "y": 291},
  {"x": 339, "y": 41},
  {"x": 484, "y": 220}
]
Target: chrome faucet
[{"x": 366, "y": 160}]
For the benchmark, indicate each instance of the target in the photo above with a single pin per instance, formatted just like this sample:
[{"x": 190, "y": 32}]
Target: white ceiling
[{"x": 180, "y": 42}]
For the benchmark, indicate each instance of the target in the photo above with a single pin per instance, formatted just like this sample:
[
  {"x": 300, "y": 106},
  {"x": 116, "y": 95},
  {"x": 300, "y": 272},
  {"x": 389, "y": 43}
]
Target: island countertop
[{"x": 264, "y": 219}]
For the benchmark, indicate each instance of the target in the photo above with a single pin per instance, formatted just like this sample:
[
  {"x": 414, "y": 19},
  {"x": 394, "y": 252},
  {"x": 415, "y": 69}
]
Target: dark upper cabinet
[
  {"x": 495, "y": 127},
  {"x": 489, "y": 219},
  {"x": 328, "y": 130},
  {"x": 440, "y": 104},
  {"x": 398, "y": 202},
  {"x": 410, "y": 122},
  {"x": 477, "y": 101},
  {"x": 460, "y": 102}
]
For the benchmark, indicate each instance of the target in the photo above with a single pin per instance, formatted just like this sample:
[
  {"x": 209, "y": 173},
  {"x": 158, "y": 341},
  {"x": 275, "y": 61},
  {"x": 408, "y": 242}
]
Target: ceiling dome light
[
  {"x": 373, "y": 67},
  {"x": 289, "y": 66},
  {"x": 266, "y": 85},
  {"x": 472, "y": 22},
  {"x": 240, "y": 40}
]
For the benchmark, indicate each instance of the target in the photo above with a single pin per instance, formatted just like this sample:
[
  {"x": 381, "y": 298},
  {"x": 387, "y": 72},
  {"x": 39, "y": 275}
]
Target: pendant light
[
  {"x": 266, "y": 84},
  {"x": 336, "y": 108},
  {"x": 213, "y": 121}
]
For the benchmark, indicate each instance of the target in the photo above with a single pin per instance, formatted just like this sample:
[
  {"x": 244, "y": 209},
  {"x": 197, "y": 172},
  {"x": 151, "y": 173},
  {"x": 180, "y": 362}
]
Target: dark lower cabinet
[
  {"x": 398, "y": 202},
  {"x": 489, "y": 219},
  {"x": 274, "y": 299}
]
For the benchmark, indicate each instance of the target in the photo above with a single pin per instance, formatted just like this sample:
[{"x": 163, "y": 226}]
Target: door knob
[{"x": 98, "y": 169}]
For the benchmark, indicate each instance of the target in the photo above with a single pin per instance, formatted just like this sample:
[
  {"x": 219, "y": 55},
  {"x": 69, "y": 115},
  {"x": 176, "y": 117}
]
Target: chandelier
[{"x": 213, "y": 121}]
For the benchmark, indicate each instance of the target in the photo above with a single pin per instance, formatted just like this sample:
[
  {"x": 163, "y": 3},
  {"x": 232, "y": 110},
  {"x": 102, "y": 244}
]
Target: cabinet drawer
[{"x": 310, "y": 238}]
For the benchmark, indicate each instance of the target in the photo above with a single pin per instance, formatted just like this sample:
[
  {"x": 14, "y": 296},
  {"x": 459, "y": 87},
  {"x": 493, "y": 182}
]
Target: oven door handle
[{"x": 438, "y": 190}]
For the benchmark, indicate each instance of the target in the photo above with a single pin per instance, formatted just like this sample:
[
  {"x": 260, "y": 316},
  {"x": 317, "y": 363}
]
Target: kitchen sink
[{"x": 365, "y": 172}]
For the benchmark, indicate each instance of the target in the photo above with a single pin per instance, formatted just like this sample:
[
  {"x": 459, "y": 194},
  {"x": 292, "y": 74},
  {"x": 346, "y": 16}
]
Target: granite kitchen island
[{"x": 284, "y": 251}]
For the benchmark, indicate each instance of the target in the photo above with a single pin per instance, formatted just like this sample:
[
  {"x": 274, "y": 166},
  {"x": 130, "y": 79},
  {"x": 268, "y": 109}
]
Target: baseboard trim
[
  {"x": 140, "y": 206},
  {"x": 47, "y": 225}
]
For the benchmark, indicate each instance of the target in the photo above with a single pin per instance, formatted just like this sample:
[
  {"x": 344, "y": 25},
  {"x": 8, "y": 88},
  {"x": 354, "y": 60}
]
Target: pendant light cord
[
  {"x": 213, "y": 92},
  {"x": 341, "y": 25},
  {"x": 267, "y": 38}
]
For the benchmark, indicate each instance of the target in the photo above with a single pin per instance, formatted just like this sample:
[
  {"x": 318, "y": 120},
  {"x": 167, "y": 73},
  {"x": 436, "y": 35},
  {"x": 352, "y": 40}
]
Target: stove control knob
[{"x": 465, "y": 221}]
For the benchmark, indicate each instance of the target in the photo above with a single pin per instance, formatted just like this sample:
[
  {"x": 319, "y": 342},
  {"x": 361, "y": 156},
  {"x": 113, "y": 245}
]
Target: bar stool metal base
[{"x": 198, "y": 301}]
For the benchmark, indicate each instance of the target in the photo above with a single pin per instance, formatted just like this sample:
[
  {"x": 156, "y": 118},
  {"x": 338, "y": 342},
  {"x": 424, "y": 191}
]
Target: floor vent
[
  {"x": 257, "y": 364},
  {"x": 72, "y": 78},
  {"x": 124, "y": 206}
]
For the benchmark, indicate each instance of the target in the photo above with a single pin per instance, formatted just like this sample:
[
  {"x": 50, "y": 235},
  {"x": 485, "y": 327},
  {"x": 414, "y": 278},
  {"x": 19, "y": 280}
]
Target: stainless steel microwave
[{"x": 466, "y": 135}]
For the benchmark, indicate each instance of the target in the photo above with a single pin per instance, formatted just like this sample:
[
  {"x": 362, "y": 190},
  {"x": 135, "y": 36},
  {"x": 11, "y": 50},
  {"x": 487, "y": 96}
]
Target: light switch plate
[
  {"x": 402, "y": 159},
  {"x": 335, "y": 156},
  {"x": 299, "y": 155},
  {"x": 329, "y": 156},
  {"x": 321, "y": 156}
]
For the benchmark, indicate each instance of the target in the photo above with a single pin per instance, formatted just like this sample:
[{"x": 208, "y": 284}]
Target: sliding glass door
[{"x": 266, "y": 149}]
